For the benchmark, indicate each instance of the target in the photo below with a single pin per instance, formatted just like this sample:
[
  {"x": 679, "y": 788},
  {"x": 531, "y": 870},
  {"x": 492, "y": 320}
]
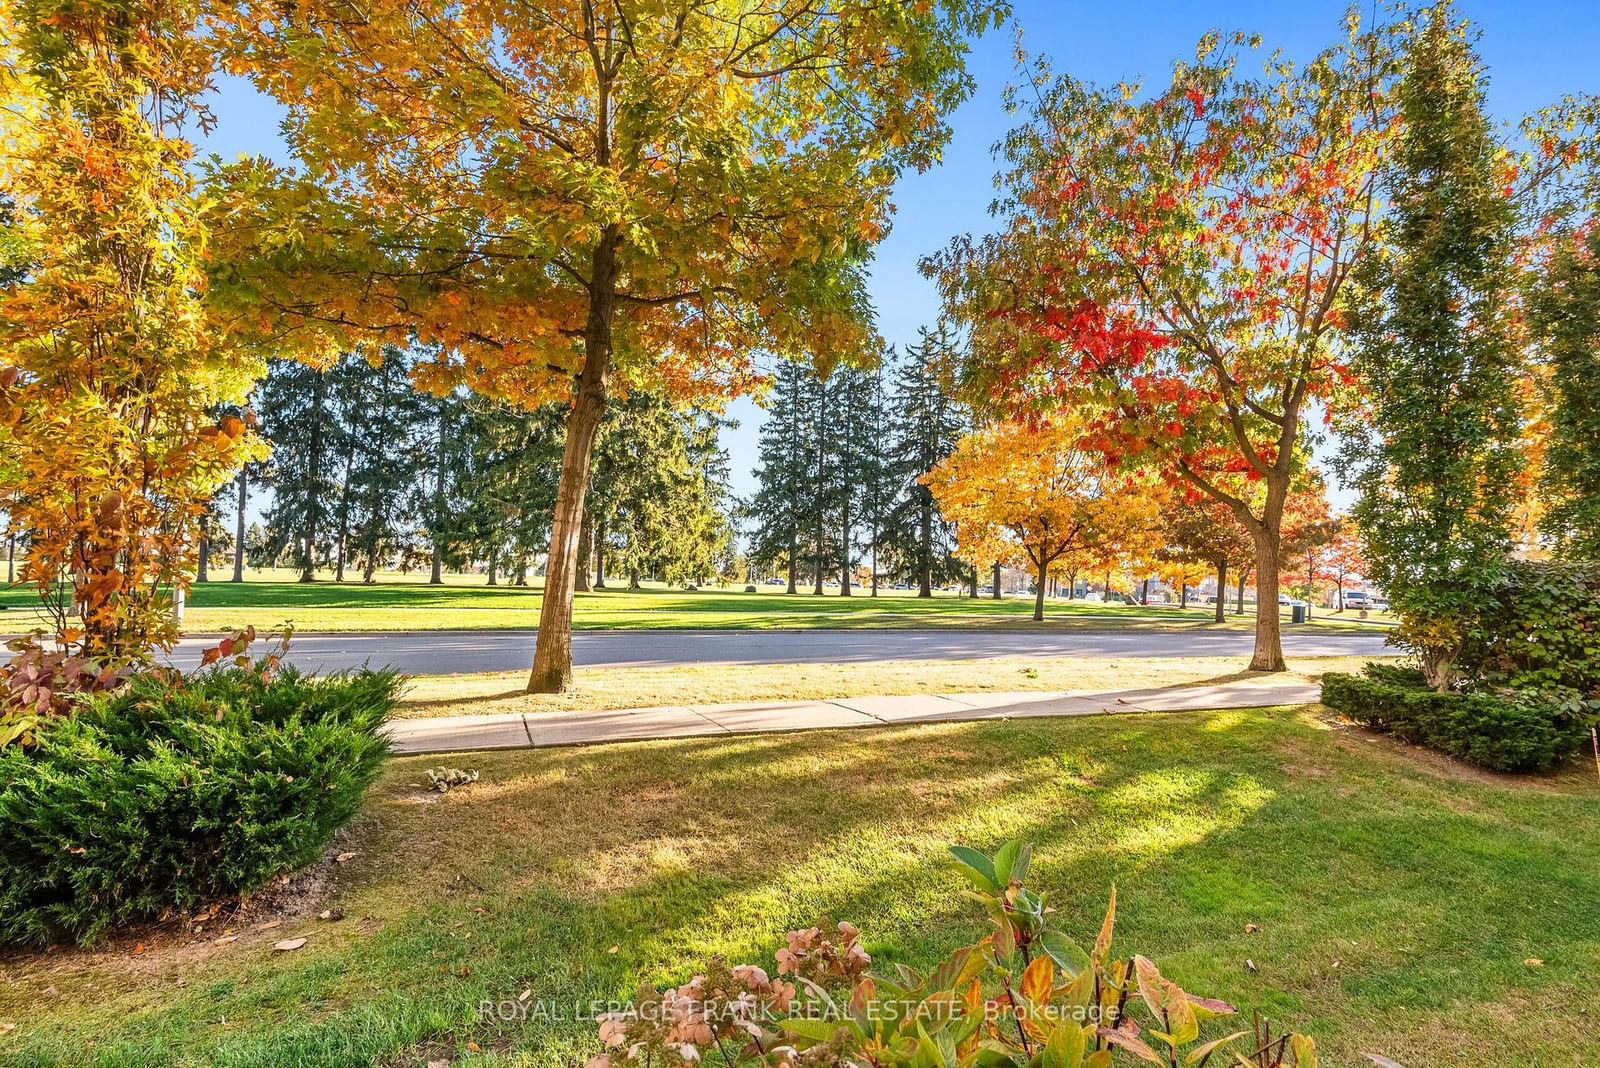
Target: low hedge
[
  {"x": 162, "y": 795},
  {"x": 1504, "y": 731}
]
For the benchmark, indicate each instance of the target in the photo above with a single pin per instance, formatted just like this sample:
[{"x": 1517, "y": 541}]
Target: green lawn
[
  {"x": 1398, "y": 899},
  {"x": 409, "y": 603}
]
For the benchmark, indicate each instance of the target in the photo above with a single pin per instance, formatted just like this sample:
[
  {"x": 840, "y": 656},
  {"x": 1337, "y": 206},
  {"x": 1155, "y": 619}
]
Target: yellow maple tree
[
  {"x": 1033, "y": 495},
  {"x": 562, "y": 200},
  {"x": 109, "y": 366}
]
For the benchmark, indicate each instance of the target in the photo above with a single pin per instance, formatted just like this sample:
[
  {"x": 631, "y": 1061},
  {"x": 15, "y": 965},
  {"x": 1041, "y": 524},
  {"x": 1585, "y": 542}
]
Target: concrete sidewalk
[{"x": 450, "y": 734}]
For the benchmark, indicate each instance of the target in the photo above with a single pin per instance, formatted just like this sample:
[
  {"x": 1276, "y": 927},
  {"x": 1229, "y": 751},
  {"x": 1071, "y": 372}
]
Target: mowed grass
[
  {"x": 408, "y": 602},
  {"x": 1399, "y": 900},
  {"x": 642, "y": 687}
]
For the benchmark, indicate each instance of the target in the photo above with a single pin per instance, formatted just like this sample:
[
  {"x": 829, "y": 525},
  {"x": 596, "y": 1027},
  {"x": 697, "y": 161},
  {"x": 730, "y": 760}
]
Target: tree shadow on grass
[{"x": 675, "y": 852}]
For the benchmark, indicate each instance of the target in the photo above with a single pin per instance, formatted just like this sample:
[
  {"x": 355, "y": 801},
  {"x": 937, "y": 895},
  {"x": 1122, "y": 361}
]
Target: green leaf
[
  {"x": 977, "y": 867},
  {"x": 1067, "y": 954}
]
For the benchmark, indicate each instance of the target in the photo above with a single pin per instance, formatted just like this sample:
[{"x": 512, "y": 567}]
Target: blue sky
[{"x": 1536, "y": 51}]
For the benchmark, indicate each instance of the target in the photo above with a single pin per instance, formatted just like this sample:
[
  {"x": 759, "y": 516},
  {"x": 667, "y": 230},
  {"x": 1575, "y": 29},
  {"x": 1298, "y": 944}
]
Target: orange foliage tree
[
  {"x": 1033, "y": 494},
  {"x": 564, "y": 200},
  {"x": 108, "y": 364}
]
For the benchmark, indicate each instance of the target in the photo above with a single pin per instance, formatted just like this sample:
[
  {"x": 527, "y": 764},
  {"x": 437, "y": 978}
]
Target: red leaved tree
[{"x": 1174, "y": 264}]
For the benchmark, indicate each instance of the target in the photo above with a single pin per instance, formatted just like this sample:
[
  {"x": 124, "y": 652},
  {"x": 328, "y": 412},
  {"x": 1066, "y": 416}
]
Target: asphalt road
[{"x": 449, "y": 652}]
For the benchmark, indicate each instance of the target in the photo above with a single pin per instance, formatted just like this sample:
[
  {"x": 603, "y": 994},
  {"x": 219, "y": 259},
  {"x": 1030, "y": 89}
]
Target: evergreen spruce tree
[
  {"x": 775, "y": 510},
  {"x": 658, "y": 492},
  {"x": 383, "y": 422},
  {"x": 925, "y": 425},
  {"x": 875, "y": 475},
  {"x": 299, "y": 417},
  {"x": 1436, "y": 469}
]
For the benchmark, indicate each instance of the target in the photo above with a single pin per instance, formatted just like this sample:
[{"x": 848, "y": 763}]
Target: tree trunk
[
  {"x": 238, "y": 526},
  {"x": 308, "y": 559},
  {"x": 11, "y": 558},
  {"x": 925, "y": 544},
  {"x": 1268, "y": 655},
  {"x": 552, "y": 654},
  {"x": 1038, "y": 592},
  {"x": 521, "y": 578},
  {"x": 599, "y": 555},
  {"x": 1183, "y": 594},
  {"x": 1238, "y": 604},
  {"x": 202, "y": 568},
  {"x": 997, "y": 580},
  {"x": 494, "y": 569},
  {"x": 580, "y": 577},
  {"x": 1144, "y": 593},
  {"x": 794, "y": 566},
  {"x": 1222, "y": 590},
  {"x": 441, "y": 472}
]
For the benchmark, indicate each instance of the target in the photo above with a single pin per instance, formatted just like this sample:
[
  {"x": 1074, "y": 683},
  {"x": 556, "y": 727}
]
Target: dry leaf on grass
[
  {"x": 288, "y": 944},
  {"x": 6, "y": 1029},
  {"x": 345, "y": 857}
]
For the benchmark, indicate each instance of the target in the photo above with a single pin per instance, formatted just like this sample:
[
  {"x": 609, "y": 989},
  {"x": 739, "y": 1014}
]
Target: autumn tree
[
  {"x": 566, "y": 197},
  {"x": 1434, "y": 452},
  {"x": 1034, "y": 494},
  {"x": 109, "y": 364},
  {"x": 1343, "y": 561},
  {"x": 1206, "y": 531},
  {"x": 1174, "y": 262}
]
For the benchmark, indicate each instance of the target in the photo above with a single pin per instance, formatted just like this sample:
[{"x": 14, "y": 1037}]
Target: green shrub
[
  {"x": 1505, "y": 730},
  {"x": 1538, "y": 626},
  {"x": 165, "y": 794}
]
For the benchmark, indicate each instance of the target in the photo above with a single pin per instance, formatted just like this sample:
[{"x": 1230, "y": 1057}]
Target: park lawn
[
  {"x": 465, "y": 603},
  {"x": 1400, "y": 900},
  {"x": 642, "y": 687}
]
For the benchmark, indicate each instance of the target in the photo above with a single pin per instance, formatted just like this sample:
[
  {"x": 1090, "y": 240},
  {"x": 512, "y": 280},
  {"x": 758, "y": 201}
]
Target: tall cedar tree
[
  {"x": 560, "y": 193},
  {"x": 926, "y": 423},
  {"x": 1566, "y": 322},
  {"x": 1435, "y": 458}
]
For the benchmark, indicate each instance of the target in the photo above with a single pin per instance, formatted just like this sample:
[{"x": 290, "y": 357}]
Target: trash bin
[{"x": 1297, "y": 614}]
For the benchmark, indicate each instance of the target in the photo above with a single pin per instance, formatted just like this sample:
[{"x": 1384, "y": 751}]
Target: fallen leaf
[
  {"x": 474, "y": 1047},
  {"x": 288, "y": 944},
  {"x": 270, "y": 926},
  {"x": 331, "y": 914},
  {"x": 525, "y": 995},
  {"x": 613, "y": 949},
  {"x": 1382, "y": 1062},
  {"x": 1250, "y": 965},
  {"x": 225, "y": 939},
  {"x": 1534, "y": 962},
  {"x": 6, "y": 1029},
  {"x": 344, "y": 857},
  {"x": 1251, "y": 928}
]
